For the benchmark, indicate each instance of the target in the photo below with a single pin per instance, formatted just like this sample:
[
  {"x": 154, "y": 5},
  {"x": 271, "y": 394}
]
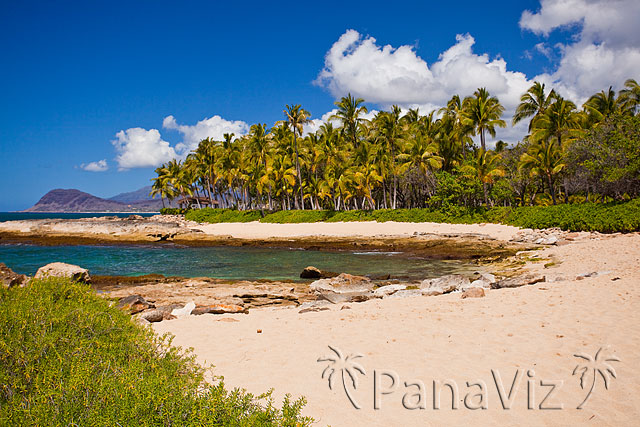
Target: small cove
[{"x": 250, "y": 263}]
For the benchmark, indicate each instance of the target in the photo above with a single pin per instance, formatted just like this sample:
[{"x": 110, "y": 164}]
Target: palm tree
[
  {"x": 389, "y": 136},
  {"x": 545, "y": 159},
  {"x": 560, "y": 120},
  {"x": 630, "y": 96},
  {"x": 533, "y": 103},
  {"x": 349, "y": 111},
  {"x": 482, "y": 112},
  {"x": 486, "y": 167},
  {"x": 602, "y": 105},
  {"x": 296, "y": 118},
  {"x": 597, "y": 365}
]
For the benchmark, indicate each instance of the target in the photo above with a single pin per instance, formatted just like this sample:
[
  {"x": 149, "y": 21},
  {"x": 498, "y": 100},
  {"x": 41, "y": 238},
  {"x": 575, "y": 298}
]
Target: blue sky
[{"x": 74, "y": 75}]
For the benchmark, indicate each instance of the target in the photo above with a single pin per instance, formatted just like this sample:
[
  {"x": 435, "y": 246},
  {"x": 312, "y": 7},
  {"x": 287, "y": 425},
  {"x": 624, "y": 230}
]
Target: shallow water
[{"x": 223, "y": 262}]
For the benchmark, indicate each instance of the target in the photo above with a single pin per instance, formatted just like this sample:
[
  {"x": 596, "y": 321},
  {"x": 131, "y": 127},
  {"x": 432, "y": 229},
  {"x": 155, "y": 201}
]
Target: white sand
[
  {"x": 258, "y": 230},
  {"x": 537, "y": 327}
]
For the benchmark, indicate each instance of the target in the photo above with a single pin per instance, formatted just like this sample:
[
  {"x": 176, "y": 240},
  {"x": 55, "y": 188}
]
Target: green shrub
[
  {"x": 173, "y": 211},
  {"x": 214, "y": 215},
  {"x": 69, "y": 358}
]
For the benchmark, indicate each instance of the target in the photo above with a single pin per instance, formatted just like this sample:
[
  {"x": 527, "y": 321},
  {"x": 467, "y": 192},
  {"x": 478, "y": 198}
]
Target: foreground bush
[
  {"x": 68, "y": 358},
  {"x": 605, "y": 218}
]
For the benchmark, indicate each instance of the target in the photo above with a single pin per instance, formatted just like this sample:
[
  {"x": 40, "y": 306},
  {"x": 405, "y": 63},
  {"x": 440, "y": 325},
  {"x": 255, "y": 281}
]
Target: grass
[
  {"x": 602, "y": 217},
  {"x": 68, "y": 357}
]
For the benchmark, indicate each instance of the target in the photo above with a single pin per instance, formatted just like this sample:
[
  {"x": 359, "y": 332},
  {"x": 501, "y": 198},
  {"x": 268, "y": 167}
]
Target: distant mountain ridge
[
  {"x": 72, "y": 200},
  {"x": 133, "y": 196}
]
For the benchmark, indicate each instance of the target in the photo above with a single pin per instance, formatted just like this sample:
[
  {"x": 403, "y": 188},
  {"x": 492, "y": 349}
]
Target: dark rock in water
[
  {"x": 61, "y": 269},
  {"x": 9, "y": 278},
  {"x": 311, "y": 272},
  {"x": 134, "y": 304}
]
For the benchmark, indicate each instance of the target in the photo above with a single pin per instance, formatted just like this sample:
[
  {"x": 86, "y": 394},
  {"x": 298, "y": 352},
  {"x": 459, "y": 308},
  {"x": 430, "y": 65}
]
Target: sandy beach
[{"x": 525, "y": 337}]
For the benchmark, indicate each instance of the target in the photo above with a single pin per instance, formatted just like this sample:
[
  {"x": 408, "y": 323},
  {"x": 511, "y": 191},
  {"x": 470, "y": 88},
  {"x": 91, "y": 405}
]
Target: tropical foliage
[{"x": 403, "y": 159}]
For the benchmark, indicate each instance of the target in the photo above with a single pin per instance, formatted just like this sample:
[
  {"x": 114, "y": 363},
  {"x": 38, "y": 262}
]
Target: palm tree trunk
[{"x": 551, "y": 189}]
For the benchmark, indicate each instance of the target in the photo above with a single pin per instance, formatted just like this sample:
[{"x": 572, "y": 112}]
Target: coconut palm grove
[{"x": 411, "y": 159}]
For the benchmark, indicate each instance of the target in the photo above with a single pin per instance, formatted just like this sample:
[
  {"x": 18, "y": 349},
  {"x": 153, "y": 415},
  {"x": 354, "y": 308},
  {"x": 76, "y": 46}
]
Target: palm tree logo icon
[
  {"x": 597, "y": 365},
  {"x": 347, "y": 368}
]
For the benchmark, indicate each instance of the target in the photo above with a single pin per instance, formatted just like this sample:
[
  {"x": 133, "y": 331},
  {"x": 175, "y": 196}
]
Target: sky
[{"x": 94, "y": 95}]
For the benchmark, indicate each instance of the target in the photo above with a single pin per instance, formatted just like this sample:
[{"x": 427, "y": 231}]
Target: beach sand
[{"x": 532, "y": 329}]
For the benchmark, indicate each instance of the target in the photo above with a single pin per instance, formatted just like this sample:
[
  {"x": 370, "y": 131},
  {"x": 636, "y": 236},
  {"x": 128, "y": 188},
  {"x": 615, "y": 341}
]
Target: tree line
[{"x": 410, "y": 160}]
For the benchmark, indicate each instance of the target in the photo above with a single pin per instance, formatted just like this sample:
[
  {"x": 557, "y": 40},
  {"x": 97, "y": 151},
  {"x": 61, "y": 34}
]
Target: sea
[{"x": 223, "y": 262}]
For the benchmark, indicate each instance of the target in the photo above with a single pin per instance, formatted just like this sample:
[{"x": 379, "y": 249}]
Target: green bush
[
  {"x": 214, "y": 215},
  {"x": 173, "y": 211},
  {"x": 69, "y": 358}
]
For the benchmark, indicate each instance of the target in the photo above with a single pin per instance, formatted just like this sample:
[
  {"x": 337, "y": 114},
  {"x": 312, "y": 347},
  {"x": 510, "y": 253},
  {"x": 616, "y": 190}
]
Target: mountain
[
  {"x": 133, "y": 196},
  {"x": 61, "y": 200}
]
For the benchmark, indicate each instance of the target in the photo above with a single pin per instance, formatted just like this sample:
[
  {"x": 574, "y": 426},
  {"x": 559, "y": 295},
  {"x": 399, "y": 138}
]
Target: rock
[
  {"x": 167, "y": 309},
  {"x": 312, "y": 309},
  {"x": 342, "y": 283},
  {"x": 592, "y": 274},
  {"x": 134, "y": 217},
  {"x": 9, "y": 278},
  {"x": 343, "y": 288},
  {"x": 60, "y": 269},
  {"x": 431, "y": 292},
  {"x": 218, "y": 309},
  {"x": 486, "y": 280},
  {"x": 381, "y": 277},
  {"x": 473, "y": 293},
  {"x": 515, "y": 282},
  {"x": 345, "y": 307},
  {"x": 407, "y": 293},
  {"x": 185, "y": 311},
  {"x": 384, "y": 291},
  {"x": 549, "y": 240},
  {"x": 134, "y": 304},
  {"x": 152, "y": 316},
  {"x": 445, "y": 284},
  {"x": 311, "y": 272}
]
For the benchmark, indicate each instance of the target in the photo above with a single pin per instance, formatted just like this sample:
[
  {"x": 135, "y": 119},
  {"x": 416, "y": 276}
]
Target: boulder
[
  {"x": 473, "y": 293},
  {"x": 218, "y": 309},
  {"x": 342, "y": 283},
  {"x": 152, "y": 316},
  {"x": 9, "y": 278},
  {"x": 60, "y": 269},
  {"x": 516, "y": 282},
  {"x": 445, "y": 284},
  {"x": 486, "y": 280},
  {"x": 134, "y": 304},
  {"x": 134, "y": 217},
  {"x": 387, "y": 290},
  {"x": 311, "y": 272},
  {"x": 184, "y": 311}
]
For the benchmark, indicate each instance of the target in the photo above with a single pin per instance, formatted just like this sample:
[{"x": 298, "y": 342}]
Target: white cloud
[
  {"x": 386, "y": 75},
  {"x": 99, "y": 166},
  {"x": 139, "y": 148},
  {"x": 213, "y": 127},
  {"x": 605, "y": 50}
]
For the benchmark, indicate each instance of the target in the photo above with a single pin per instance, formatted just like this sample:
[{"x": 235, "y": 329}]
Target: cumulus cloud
[
  {"x": 139, "y": 148},
  {"x": 605, "y": 51},
  {"x": 99, "y": 166},
  {"x": 386, "y": 75},
  {"x": 213, "y": 127}
]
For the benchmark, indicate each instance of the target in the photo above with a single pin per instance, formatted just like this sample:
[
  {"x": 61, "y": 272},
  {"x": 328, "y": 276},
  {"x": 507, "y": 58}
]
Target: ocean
[{"x": 14, "y": 216}]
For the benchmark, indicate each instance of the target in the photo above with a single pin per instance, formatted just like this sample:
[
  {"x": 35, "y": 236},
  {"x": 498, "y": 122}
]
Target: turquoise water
[
  {"x": 221, "y": 262},
  {"x": 13, "y": 216}
]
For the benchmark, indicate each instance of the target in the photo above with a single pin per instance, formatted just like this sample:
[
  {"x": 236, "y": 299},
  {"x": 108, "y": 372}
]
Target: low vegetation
[
  {"x": 67, "y": 357},
  {"x": 601, "y": 217}
]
